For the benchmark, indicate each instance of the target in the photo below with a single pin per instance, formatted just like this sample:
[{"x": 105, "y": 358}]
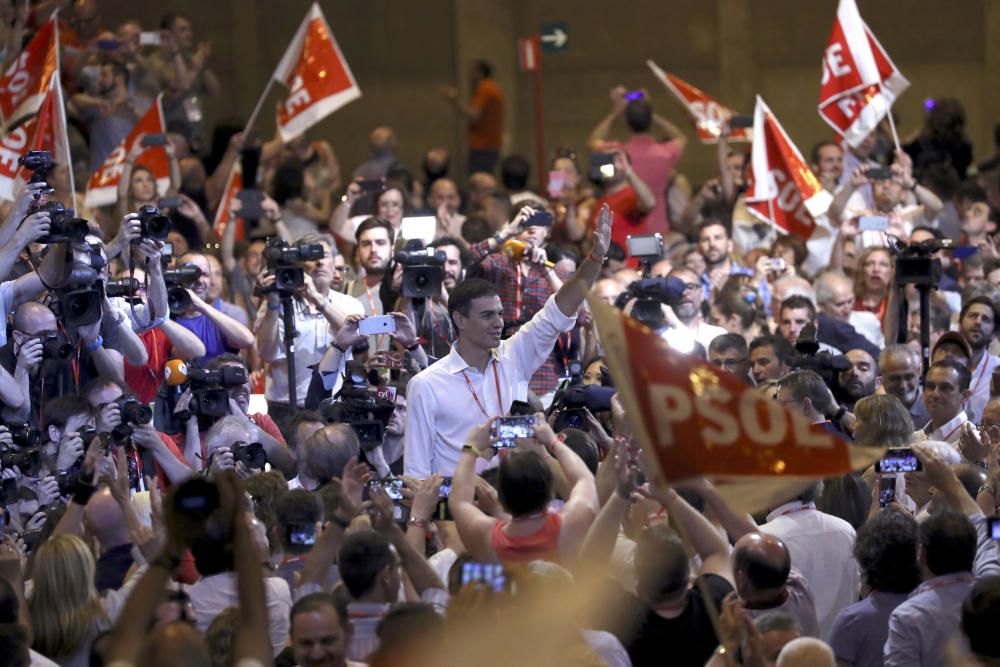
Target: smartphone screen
[
  {"x": 301, "y": 534},
  {"x": 879, "y": 173},
  {"x": 886, "y": 490},
  {"x": 994, "y": 527},
  {"x": 508, "y": 429},
  {"x": 490, "y": 574},
  {"x": 873, "y": 223},
  {"x": 557, "y": 181},
  {"x": 899, "y": 460}
]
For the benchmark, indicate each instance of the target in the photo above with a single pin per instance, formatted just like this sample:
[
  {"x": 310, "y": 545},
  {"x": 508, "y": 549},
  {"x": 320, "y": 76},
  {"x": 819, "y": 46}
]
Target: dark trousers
[{"x": 482, "y": 161}]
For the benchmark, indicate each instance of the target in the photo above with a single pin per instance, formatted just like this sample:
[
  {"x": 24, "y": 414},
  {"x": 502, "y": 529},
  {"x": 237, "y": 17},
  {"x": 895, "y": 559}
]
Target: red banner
[
  {"x": 233, "y": 186},
  {"x": 860, "y": 81},
  {"x": 318, "y": 78},
  {"x": 707, "y": 114},
  {"x": 46, "y": 131},
  {"x": 697, "y": 421},
  {"x": 102, "y": 190},
  {"x": 26, "y": 81},
  {"x": 782, "y": 189}
]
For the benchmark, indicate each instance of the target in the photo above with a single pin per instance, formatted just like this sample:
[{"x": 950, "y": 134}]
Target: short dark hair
[
  {"x": 213, "y": 549},
  {"x": 484, "y": 68},
  {"x": 514, "y": 172},
  {"x": 710, "y": 222},
  {"x": 933, "y": 231},
  {"x": 807, "y": 384},
  {"x": 639, "y": 115},
  {"x": 763, "y": 574},
  {"x": 465, "y": 292},
  {"x": 361, "y": 557},
  {"x": 783, "y": 350},
  {"x": 524, "y": 482},
  {"x": 584, "y": 446},
  {"x": 58, "y": 410},
  {"x": 463, "y": 249},
  {"x": 948, "y": 540},
  {"x": 288, "y": 181},
  {"x": 298, "y": 418},
  {"x": 662, "y": 567},
  {"x": 728, "y": 341},
  {"x": 118, "y": 69},
  {"x": 796, "y": 301},
  {"x": 981, "y": 617},
  {"x": 375, "y": 223},
  {"x": 814, "y": 153},
  {"x": 310, "y": 603},
  {"x": 408, "y": 622},
  {"x": 475, "y": 229},
  {"x": 14, "y": 645},
  {"x": 964, "y": 374},
  {"x": 167, "y": 21},
  {"x": 886, "y": 551},
  {"x": 982, "y": 301},
  {"x": 224, "y": 359},
  {"x": 297, "y": 507}
]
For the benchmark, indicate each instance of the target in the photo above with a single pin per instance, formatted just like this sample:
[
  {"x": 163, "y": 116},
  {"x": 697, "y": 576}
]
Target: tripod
[
  {"x": 288, "y": 320},
  {"x": 924, "y": 290}
]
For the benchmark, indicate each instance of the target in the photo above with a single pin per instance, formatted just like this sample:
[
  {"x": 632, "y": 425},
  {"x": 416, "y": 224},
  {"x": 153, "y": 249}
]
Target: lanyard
[
  {"x": 517, "y": 293},
  {"x": 801, "y": 508},
  {"x": 982, "y": 370},
  {"x": 961, "y": 578},
  {"x": 475, "y": 396}
]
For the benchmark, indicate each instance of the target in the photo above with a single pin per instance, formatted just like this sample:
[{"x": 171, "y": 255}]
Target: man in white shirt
[
  {"x": 483, "y": 375},
  {"x": 946, "y": 389},
  {"x": 821, "y": 546},
  {"x": 688, "y": 308},
  {"x": 977, "y": 324}
]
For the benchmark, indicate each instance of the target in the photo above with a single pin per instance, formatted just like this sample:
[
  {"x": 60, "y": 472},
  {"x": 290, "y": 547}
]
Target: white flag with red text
[
  {"x": 45, "y": 131},
  {"x": 102, "y": 190},
  {"x": 233, "y": 186},
  {"x": 318, "y": 78},
  {"x": 25, "y": 84},
  {"x": 782, "y": 189},
  {"x": 860, "y": 81},
  {"x": 706, "y": 113}
]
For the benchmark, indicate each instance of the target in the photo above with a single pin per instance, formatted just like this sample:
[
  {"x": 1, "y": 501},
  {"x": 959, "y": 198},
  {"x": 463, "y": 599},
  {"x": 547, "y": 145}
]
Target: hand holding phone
[
  {"x": 886, "y": 490},
  {"x": 378, "y": 324},
  {"x": 506, "y": 430}
]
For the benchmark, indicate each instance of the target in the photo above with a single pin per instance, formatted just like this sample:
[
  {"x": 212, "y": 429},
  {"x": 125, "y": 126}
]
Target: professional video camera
[
  {"x": 177, "y": 281},
  {"x": 210, "y": 389},
  {"x": 285, "y": 262},
  {"x": 80, "y": 293},
  {"x": 649, "y": 295},
  {"x": 358, "y": 404},
  {"x": 423, "y": 270},
  {"x": 152, "y": 224},
  {"x": 809, "y": 357},
  {"x": 914, "y": 264}
]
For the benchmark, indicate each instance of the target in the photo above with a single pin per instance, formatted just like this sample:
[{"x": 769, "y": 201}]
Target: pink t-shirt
[{"x": 654, "y": 162}]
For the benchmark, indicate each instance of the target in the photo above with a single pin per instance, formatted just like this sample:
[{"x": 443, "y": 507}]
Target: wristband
[
  {"x": 986, "y": 488},
  {"x": 82, "y": 492},
  {"x": 343, "y": 350},
  {"x": 423, "y": 524},
  {"x": 96, "y": 344},
  {"x": 475, "y": 450},
  {"x": 498, "y": 237},
  {"x": 413, "y": 348},
  {"x": 598, "y": 260}
]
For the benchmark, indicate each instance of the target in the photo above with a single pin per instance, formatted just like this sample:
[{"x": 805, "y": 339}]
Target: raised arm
[
  {"x": 600, "y": 133},
  {"x": 576, "y": 288},
  {"x": 236, "y": 334},
  {"x": 474, "y": 526},
  {"x": 184, "y": 341},
  {"x": 670, "y": 131},
  {"x": 698, "y": 532}
]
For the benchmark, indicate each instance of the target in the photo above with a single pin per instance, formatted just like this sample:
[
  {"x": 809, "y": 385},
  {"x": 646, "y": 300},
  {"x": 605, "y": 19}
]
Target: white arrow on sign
[{"x": 558, "y": 38}]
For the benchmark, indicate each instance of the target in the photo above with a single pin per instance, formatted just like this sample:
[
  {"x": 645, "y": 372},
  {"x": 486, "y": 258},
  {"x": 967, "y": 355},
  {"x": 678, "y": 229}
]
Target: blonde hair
[{"x": 64, "y": 605}]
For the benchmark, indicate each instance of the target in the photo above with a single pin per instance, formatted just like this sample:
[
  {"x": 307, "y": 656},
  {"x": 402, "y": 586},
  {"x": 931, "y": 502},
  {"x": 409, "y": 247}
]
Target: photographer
[
  {"x": 219, "y": 332},
  {"x": 319, "y": 313},
  {"x": 149, "y": 450},
  {"x": 433, "y": 325},
  {"x": 261, "y": 427}
]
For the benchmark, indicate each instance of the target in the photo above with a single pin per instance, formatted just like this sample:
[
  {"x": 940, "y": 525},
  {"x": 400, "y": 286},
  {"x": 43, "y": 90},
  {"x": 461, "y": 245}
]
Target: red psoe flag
[
  {"x": 695, "y": 420},
  {"x": 318, "y": 78},
  {"x": 860, "y": 81},
  {"x": 46, "y": 131},
  {"x": 26, "y": 82},
  {"x": 782, "y": 190},
  {"x": 706, "y": 114},
  {"x": 102, "y": 190},
  {"x": 233, "y": 187}
]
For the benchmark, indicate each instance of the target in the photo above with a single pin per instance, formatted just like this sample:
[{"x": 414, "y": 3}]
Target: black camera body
[
  {"x": 250, "y": 454},
  {"x": 356, "y": 404},
  {"x": 39, "y": 163},
  {"x": 177, "y": 281},
  {"x": 285, "y": 262},
  {"x": 210, "y": 389},
  {"x": 152, "y": 224},
  {"x": 65, "y": 227},
  {"x": 124, "y": 288},
  {"x": 570, "y": 406},
  {"x": 915, "y": 264},
  {"x": 27, "y": 460},
  {"x": 825, "y": 364},
  {"x": 55, "y": 348},
  {"x": 423, "y": 270},
  {"x": 25, "y": 435},
  {"x": 649, "y": 295}
]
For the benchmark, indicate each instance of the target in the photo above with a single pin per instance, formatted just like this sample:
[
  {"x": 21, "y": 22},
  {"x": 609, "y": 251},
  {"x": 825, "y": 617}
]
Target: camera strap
[{"x": 475, "y": 396}]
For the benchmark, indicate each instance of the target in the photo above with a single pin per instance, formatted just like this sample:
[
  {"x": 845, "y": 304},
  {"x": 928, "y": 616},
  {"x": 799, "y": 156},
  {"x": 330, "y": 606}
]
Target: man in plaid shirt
[{"x": 525, "y": 285}]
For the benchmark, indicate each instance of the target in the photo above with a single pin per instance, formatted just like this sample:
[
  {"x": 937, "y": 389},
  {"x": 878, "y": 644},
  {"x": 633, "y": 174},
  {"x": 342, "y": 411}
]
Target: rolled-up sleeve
[{"x": 987, "y": 561}]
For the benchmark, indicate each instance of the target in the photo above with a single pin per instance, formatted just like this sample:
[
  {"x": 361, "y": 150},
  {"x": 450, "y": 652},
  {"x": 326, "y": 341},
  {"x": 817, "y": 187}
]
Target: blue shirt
[
  {"x": 205, "y": 329},
  {"x": 763, "y": 289},
  {"x": 859, "y": 632}
]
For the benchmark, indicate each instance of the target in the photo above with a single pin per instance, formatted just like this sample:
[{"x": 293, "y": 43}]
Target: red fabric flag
[
  {"x": 46, "y": 131},
  {"x": 707, "y": 114},
  {"x": 318, "y": 78},
  {"x": 860, "y": 81},
  {"x": 102, "y": 190},
  {"x": 695, "y": 420},
  {"x": 26, "y": 82},
  {"x": 782, "y": 189},
  {"x": 233, "y": 186}
]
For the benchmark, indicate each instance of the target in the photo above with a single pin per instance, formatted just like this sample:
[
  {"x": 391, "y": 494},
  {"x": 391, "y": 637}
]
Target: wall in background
[{"x": 401, "y": 51}]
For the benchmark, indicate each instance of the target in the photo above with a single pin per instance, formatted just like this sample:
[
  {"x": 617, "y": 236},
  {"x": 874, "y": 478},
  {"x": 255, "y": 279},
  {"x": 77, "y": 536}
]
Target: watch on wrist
[
  {"x": 499, "y": 238},
  {"x": 987, "y": 488}
]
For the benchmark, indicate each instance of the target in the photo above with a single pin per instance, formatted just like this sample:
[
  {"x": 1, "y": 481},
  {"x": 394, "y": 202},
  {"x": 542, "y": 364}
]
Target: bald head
[
  {"x": 761, "y": 564},
  {"x": 444, "y": 192},
  {"x": 806, "y": 652},
  {"x": 382, "y": 140},
  {"x": 175, "y": 644},
  {"x": 104, "y": 520},
  {"x": 33, "y": 318},
  {"x": 790, "y": 286}
]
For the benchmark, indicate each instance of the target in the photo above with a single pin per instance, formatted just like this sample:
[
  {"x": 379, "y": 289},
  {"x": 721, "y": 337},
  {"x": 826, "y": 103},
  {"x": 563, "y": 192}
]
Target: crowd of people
[{"x": 371, "y": 421}]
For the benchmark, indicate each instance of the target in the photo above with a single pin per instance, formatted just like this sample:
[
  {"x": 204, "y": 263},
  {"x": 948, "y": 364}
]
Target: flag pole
[
  {"x": 257, "y": 108},
  {"x": 892, "y": 126}
]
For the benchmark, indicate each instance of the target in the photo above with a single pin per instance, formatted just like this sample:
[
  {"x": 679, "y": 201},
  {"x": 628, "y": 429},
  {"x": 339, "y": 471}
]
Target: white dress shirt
[
  {"x": 822, "y": 549},
  {"x": 949, "y": 432},
  {"x": 868, "y": 325},
  {"x": 214, "y": 594},
  {"x": 980, "y": 386},
  {"x": 441, "y": 409}
]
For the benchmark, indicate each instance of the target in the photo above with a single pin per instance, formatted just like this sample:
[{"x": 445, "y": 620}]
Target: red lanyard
[
  {"x": 801, "y": 508},
  {"x": 979, "y": 378},
  {"x": 517, "y": 293},
  {"x": 475, "y": 396},
  {"x": 961, "y": 578}
]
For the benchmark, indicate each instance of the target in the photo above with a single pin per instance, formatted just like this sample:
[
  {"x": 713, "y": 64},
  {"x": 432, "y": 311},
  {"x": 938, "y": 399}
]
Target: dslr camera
[
  {"x": 827, "y": 365},
  {"x": 250, "y": 454},
  {"x": 178, "y": 280},
  {"x": 423, "y": 270},
  {"x": 285, "y": 262},
  {"x": 152, "y": 224}
]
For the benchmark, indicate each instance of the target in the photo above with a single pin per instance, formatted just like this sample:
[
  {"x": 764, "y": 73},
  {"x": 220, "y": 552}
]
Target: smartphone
[
  {"x": 301, "y": 534},
  {"x": 899, "y": 460},
  {"x": 778, "y": 264},
  {"x": 443, "y": 513},
  {"x": 108, "y": 44},
  {"x": 873, "y": 223},
  {"x": 372, "y": 184},
  {"x": 740, "y": 122},
  {"x": 878, "y": 173},
  {"x": 170, "y": 202},
  {"x": 507, "y": 429},
  {"x": 159, "y": 139},
  {"x": 167, "y": 250},
  {"x": 149, "y": 38},
  {"x": 886, "y": 490},
  {"x": 557, "y": 182},
  {"x": 539, "y": 219},
  {"x": 445, "y": 489},
  {"x": 994, "y": 527},
  {"x": 634, "y": 95},
  {"x": 422, "y": 227},
  {"x": 379, "y": 324},
  {"x": 393, "y": 488},
  {"x": 250, "y": 204},
  {"x": 602, "y": 165},
  {"x": 644, "y": 245},
  {"x": 520, "y": 409},
  {"x": 490, "y": 574}
]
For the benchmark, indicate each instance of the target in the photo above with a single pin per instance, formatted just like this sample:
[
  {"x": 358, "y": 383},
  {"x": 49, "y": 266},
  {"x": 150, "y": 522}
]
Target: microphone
[
  {"x": 176, "y": 372},
  {"x": 515, "y": 249}
]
